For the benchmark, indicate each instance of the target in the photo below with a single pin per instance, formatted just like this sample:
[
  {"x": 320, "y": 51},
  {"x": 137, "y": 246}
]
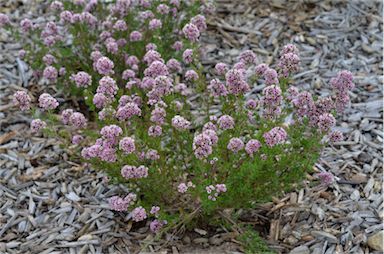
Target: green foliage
[{"x": 253, "y": 243}]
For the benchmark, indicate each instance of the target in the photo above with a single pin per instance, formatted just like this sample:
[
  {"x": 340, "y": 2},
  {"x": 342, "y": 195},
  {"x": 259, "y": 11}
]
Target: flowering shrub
[
  {"x": 90, "y": 39},
  {"x": 176, "y": 160}
]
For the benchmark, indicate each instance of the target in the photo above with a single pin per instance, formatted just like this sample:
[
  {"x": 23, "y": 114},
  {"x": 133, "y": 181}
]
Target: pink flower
[
  {"x": 226, "y": 122},
  {"x": 157, "y": 225},
  {"x": 182, "y": 188},
  {"x": 100, "y": 100},
  {"x": 78, "y": 120},
  {"x": 326, "y": 122},
  {"x": 202, "y": 145},
  {"x": 127, "y": 74},
  {"x": 154, "y": 131},
  {"x": 132, "y": 172},
  {"x": 289, "y": 63},
  {"x": 48, "y": 59},
  {"x": 108, "y": 154},
  {"x": 235, "y": 145},
  {"x": 111, "y": 131},
  {"x": 292, "y": 93},
  {"x": 247, "y": 57},
  {"x": 221, "y": 68},
  {"x": 326, "y": 178},
  {"x": 138, "y": 214},
  {"x": 158, "y": 115},
  {"x": 104, "y": 66},
  {"x": 118, "y": 204},
  {"x": 343, "y": 81},
  {"x": 155, "y": 24},
  {"x": 65, "y": 115},
  {"x": 4, "y": 20},
  {"x": 135, "y": 36},
  {"x": 261, "y": 69},
  {"x": 212, "y": 135},
  {"x": 120, "y": 25},
  {"x": 22, "y": 53},
  {"x": 215, "y": 191},
  {"x": 252, "y": 146},
  {"x": 56, "y": 6},
  {"x": 47, "y": 102},
  {"x": 50, "y": 73},
  {"x": 127, "y": 145},
  {"x": 304, "y": 103},
  {"x": 155, "y": 210},
  {"x": 26, "y": 25},
  {"x": 236, "y": 83},
  {"x": 152, "y": 56},
  {"x": 191, "y": 32},
  {"x": 107, "y": 86},
  {"x": 180, "y": 123},
  {"x": 174, "y": 65},
  {"x": 37, "y": 125},
  {"x": 178, "y": 45},
  {"x": 275, "y": 136},
  {"x": 77, "y": 139},
  {"x": 22, "y": 99},
  {"x": 152, "y": 155},
  {"x": 191, "y": 75},
  {"x": 112, "y": 47},
  {"x": 163, "y": 9},
  {"x": 188, "y": 56},
  {"x": 251, "y": 104},
  {"x": 199, "y": 22},
  {"x": 217, "y": 88},
  {"x": 128, "y": 111},
  {"x": 270, "y": 76},
  {"x": 66, "y": 17},
  {"x": 272, "y": 99},
  {"x": 82, "y": 79},
  {"x": 156, "y": 69},
  {"x": 289, "y": 48},
  {"x": 336, "y": 136}
]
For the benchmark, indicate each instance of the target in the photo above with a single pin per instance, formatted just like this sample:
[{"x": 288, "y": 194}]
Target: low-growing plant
[
  {"x": 157, "y": 131},
  {"x": 253, "y": 243}
]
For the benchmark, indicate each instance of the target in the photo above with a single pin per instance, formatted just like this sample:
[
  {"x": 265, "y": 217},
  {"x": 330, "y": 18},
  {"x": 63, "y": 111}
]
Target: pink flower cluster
[
  {"x": 132, "y": 172},
  {"x": 235, "y": 81},
  {"x": 50, "y": 73},
  {"x": 202, "y": 143},
  {"x": 180, "y": 123},
  {"x": 326, "y": 178},
  {"x": 121, "y": 204},
  {"x": 215, "y": 191},
  {"x": 139, "y": 214},
  {"x": 127, "y": 145},
  {"x": 82, "y": 79},
  {"x": 275, "y": 136},
  {"x": 104, "y": 66},
  {"x": 183, "y": 187},
  {"x": 47, "y": 102},
  {"x": 252, "y": 146},
  {"x": 235, "y": 145},
  {"x": 342, "y": 83},
  {"x": 156, "y": 225},
  {"x": 226, "y": 122},
  {"x": 272, "y": 98},
  {"x": 37, "y": 125},
  {"x": 289, "y": 60},
  {"x": 191, "y": 32},
  {"x": 22, "y": 99}
]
